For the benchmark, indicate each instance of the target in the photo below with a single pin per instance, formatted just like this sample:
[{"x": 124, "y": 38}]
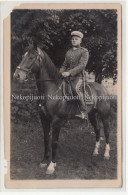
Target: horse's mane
[{"x": 49, "y": 65}]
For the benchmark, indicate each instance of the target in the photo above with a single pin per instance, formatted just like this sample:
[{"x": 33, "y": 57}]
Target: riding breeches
[{"x": 77, "y": 86}]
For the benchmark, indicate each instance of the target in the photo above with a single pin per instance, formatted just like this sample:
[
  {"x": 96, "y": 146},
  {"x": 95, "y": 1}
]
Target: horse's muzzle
[{"x": 17, "y": 77}]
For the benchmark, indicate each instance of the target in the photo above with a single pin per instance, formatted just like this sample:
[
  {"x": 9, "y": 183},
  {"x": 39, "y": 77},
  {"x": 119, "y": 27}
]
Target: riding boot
[
  {"x": 79, "y": 91},
  {"x": 83, "y": 111}
]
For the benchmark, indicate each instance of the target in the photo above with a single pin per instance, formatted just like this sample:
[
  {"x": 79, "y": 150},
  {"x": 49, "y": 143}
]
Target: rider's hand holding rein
[{"x": 65, "y": 74}]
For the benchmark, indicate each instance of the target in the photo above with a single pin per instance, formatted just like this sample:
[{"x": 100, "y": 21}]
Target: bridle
[
  {"x": 28, "y": 71},
  {"x": 23, "y": 69}
]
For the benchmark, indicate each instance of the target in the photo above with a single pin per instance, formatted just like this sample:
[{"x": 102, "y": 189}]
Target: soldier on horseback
[{"x": 75, "y": 62}]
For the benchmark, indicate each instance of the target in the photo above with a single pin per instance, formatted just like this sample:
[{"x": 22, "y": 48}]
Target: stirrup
[{"x": 42, "y": 108}]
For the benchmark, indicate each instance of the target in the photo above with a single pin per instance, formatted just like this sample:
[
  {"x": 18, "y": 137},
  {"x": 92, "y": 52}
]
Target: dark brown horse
[{"x": 54, "y": 111}]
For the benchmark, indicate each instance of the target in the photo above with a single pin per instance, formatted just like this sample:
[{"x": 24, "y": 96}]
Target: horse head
[
  {"x": 29, "y": 65},
  {"x": 33, "y": 61}
]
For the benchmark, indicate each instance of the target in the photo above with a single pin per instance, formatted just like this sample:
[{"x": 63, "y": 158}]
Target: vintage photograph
[{"x": 65, "y": 95}]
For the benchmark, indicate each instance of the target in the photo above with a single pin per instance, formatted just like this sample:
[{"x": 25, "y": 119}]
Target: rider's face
[{"x": 76, "y": 41}]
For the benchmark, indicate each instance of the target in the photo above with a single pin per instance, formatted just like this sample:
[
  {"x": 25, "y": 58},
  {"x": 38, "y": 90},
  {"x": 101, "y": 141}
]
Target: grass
[{"x": 74, "y": 155}]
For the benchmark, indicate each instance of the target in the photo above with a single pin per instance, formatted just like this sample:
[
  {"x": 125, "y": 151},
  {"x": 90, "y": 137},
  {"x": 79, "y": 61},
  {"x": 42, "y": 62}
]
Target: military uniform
[{"x": 75, "y": 62}]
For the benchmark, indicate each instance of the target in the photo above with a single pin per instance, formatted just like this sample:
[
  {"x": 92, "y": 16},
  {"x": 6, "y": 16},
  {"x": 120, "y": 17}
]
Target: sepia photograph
[{"x": 63, "y": 79}]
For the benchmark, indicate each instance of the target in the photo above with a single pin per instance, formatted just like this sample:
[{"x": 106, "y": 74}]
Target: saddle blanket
[{"x": 67, "y": 92}]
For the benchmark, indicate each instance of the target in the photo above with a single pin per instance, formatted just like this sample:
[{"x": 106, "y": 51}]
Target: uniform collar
[{"x": 74, "y": 48}]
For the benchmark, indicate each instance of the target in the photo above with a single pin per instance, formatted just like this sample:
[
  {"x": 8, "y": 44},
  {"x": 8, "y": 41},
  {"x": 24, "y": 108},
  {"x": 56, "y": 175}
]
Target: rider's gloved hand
[{"x": 65, "y": 74}]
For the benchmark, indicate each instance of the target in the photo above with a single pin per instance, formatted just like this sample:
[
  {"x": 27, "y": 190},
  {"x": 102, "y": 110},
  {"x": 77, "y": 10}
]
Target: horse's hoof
[
  {"x": 95, "y": 153},
  {"x": 51, "y": 168},
  {"x": 50, "y": 172},
  {"x": 43, "y": 165},
  {"x": 106, "y": 157}
]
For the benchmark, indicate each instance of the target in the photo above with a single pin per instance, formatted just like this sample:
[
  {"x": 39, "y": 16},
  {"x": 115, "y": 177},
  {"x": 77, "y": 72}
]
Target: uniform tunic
[{"x": 75, "y": 62}]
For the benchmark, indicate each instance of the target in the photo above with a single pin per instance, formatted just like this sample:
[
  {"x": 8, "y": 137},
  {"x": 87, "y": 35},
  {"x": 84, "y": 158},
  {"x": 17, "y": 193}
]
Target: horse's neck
[
  {"x": 46, "y": 85},
  {"x": 48, "y": 76}
]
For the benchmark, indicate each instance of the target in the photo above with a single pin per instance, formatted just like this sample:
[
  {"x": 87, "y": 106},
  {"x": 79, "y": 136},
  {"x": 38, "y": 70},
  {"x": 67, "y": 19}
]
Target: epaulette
[{"x": 83, "y": 48}]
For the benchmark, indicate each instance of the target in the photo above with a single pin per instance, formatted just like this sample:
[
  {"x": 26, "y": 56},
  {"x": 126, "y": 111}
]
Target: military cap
[{"x": 77, "y": 33}]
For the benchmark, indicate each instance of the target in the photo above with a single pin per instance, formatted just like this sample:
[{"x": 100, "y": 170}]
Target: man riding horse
[
  {"x": 75, "y": 62},
  {"x": 36, "y": 61}
]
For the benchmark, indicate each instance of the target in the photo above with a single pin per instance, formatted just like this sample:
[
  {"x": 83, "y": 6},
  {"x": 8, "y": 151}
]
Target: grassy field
[{"x": 74, "y": 155}]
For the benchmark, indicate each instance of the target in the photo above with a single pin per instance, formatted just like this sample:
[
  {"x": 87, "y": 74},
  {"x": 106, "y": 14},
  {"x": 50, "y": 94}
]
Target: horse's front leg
[
  {"x": 46, "y": 128},
  {"x": 55, "y": 136}
]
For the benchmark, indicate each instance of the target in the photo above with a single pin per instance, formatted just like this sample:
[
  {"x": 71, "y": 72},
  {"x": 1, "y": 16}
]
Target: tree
[{"x": 50, "y": 30}]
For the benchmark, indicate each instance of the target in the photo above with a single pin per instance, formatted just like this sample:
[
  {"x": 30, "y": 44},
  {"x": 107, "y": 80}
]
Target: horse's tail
[{"x": 113, "y": 110}]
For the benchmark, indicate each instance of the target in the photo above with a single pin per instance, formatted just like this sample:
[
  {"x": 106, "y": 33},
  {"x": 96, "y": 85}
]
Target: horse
[{"x": 57, "y": 111}]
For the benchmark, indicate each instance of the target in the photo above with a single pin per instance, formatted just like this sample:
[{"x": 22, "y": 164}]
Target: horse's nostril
[{"x": 16, "y": 76}]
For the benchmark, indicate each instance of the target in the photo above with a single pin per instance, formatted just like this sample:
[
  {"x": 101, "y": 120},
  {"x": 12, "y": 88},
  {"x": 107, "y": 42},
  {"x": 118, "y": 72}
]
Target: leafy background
[{"x": 51, "y": 29}]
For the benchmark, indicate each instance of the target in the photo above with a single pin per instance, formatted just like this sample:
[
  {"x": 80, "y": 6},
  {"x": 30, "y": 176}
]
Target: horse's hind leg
[
  {"x": 55, "y": 136},
  {"x": 106, "y": 132},
  {"x": 94, "y": 119}
]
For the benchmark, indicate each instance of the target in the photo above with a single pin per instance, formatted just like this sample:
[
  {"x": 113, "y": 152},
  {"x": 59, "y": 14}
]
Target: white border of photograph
[{"x": 6, "y": 8}]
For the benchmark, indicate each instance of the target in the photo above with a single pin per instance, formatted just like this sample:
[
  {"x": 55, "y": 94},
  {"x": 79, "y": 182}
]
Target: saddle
[{"x": 69, "y": 95}]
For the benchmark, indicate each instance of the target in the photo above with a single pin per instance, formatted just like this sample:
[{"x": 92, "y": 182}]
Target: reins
[{"x": 62, "y": 85}]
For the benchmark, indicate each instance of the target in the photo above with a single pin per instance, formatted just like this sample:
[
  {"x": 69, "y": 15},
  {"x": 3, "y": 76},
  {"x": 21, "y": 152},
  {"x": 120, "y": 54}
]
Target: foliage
[{"x": 50, "y": 30}]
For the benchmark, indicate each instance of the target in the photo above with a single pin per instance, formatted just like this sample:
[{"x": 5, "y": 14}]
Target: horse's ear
[
  {"x": 30, "y": 42},
  {"x": 35, "y": 45}
]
